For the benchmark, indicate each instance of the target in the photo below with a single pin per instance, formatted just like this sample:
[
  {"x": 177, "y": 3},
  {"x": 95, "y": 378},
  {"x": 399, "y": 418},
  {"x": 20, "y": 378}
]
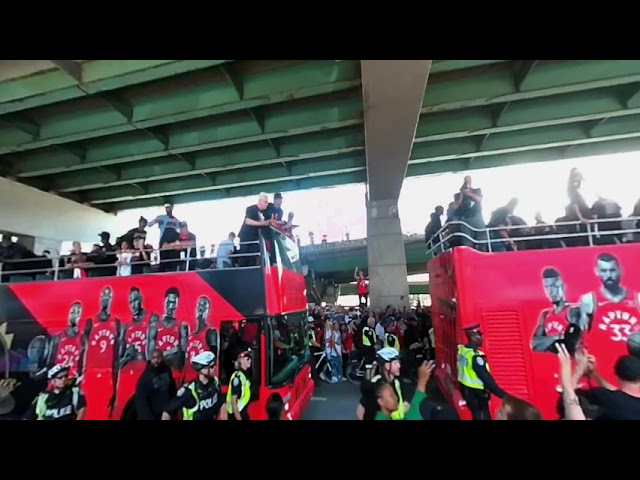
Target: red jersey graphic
[
  {"x": 69, "y": 351},
  {"x": 611, "y": 325},
  {"x": 101, "y": 347},
  {"x": 197, "y": 344},
  {"x": 168, "y": 337},
  {"x": 136, "y": 335},
  {"x": 362, "y": 287},
  {"x": 555, "y": 324}
]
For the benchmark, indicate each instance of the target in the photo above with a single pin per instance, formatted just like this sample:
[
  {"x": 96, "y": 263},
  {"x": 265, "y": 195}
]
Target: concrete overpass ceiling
[{"x": 126, "y": 134}]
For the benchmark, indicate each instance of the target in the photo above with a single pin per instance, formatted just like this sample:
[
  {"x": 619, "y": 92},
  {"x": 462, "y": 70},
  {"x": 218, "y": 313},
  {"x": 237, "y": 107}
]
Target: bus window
[
  {"x": 236, "y": 337},
  {"x": 288, "y": 347}
]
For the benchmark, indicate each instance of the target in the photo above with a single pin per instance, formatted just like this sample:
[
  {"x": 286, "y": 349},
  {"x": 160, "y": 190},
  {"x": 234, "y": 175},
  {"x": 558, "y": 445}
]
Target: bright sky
[{"x": 328, "y": 211}]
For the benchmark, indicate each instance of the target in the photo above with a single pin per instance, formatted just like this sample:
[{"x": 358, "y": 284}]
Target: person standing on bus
[
  {"x": 474, "y": 377},
  {"x": 369, "y": 346},
  {"x": 362, "y": 287},
  {"x": 165, "y": 221},
  {"x": 67, "y": 347},
  {"x": 170, "y": 335},
  {"x": 201, "y": 399},
  {"x": 239, "y": 393},
  {"x": 102, "y": 357},
  {"x": 135, "y": 354},
  {"x": 205, "y": 338},
  {"x": 555, "y": 321},
  {"x": 64, "y": 401}
]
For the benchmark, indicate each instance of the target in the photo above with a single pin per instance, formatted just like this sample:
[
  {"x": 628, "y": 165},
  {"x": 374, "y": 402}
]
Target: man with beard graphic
[
  {"x": 610, "y": 315},
  {"x": 203, "y": 339},
  {"x": 102, "y": 358},
  {"x": 169, "y": 335},
  {"x": 555, "y": 321},
  {"x": 134, "y": 359},
  {"x": 67, "y": 348}
]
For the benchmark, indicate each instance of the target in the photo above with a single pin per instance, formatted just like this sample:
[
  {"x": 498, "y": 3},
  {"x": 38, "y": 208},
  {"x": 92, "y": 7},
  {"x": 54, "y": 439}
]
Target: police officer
[
  {"x": 239, "y": 393},
  {"x": 389, "y": 359},
  {"x": 474, "y": 377},
  {"x": 201, "y": 399},
  {"x": 369, "y": 346},
  {"x": 65, "y": 401},
  {"x": 390, "y": 338}
]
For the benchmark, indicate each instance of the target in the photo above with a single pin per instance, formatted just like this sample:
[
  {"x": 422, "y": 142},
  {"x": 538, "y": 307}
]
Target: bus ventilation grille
[{"x": 506, "y": 351}]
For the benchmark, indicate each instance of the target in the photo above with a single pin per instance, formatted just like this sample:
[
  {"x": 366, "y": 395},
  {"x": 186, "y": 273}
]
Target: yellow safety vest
[
  {"x": 391, "y": 341},
  {"x": 399, "y": 413},
  {"x": 245, "y": 396},
  {"x": 41, "y": 403},
  {"x": 466, "y": 375},
  {"x": 365, "y": 339},
  {"x": 189, "y": 413}
]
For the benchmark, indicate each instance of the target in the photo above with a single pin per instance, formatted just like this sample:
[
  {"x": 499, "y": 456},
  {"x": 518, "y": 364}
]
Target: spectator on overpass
[
  {"x": 254, "y": 220},
  {"x": 165, "y": 221}
]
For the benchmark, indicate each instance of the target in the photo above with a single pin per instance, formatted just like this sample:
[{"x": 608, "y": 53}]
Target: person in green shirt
[{"x": 388, "y": 400}]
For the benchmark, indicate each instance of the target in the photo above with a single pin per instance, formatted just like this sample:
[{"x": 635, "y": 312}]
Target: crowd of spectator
[{"x": 581, "y": 225}]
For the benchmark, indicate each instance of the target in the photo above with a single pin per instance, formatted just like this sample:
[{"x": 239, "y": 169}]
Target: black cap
[
  {"x": 472, "y": 328},
  {"x": 104, "y": 234},
  {"x": 277, "y": 196}
]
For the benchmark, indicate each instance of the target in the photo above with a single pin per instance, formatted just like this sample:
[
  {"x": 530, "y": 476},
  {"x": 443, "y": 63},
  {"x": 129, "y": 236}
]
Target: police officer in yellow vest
[
  {"x": 389, "y": 359},
  {"x": 474, "y": 377},
  {"x": 369, "y": 346},
  {"x": 390, "y": 339},
  {"x": 239, "y": 393},
  {"x": 201, "y": 399},
  {"x": 64, "y": 401}
]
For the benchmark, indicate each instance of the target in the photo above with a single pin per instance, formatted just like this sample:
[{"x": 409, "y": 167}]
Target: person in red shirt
[
  {"x": 347, "y": 346},
  {"x": 205, "y": 338},
  {"x": 362, "y": 287}
]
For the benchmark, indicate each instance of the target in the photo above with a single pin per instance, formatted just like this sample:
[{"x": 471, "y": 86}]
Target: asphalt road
[{"x": 336, "y": 401}]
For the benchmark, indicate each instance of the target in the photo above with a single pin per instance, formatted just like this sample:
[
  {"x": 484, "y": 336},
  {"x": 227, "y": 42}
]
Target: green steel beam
[
  {"x": 415, "y": 169},
  {"x": 429, "y": 153},
  {"x": 594, "y": 106},
  {"x": 441, "y": 66},
  {"x": 220, "y": 90},
  {"x": 214, "y": 91},
  {"x": 183, "y": 141},
  {"x": 55, "y": 85},
  {"x": 504, "y": 82}
]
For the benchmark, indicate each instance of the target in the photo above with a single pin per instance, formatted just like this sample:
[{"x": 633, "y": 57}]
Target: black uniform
[
  {"x": 478, "y": 400},
  {"x": 59, "y": 405},
  {"x": 209, "y": 400}
]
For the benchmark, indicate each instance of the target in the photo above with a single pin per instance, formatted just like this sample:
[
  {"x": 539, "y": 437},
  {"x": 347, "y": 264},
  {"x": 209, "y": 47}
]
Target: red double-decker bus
[
  {"x": 106, "y": 327},
  {"x": 524, "y": 301}
]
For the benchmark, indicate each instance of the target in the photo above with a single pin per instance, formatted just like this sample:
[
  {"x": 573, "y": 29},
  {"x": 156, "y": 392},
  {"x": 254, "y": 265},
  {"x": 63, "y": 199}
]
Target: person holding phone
[{"x": 470, "y": 212}]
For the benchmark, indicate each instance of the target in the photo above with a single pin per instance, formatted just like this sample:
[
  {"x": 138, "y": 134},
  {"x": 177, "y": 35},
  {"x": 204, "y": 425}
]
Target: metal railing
[
  {"x": 62, "y": 268},
  {"x": 481, "y": 238}
]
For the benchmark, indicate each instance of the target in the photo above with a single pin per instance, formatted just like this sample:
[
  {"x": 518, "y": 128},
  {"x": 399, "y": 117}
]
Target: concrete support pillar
[
  {"x": 393, "y": 92},
  {"x": 385, "y": 251}
]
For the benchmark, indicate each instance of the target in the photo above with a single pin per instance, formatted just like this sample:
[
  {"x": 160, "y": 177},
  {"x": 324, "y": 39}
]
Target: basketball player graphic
[
  {"x": 135, "y": 354},
  {"x": 556, "y": 320},
  {"x": 610, "y": 314},
  {"x": 204, "y": 338},
  {"x": 102, "y": 358},
  {"x": 169, "y": 335},
  {"x": 68, "y": 347}
]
